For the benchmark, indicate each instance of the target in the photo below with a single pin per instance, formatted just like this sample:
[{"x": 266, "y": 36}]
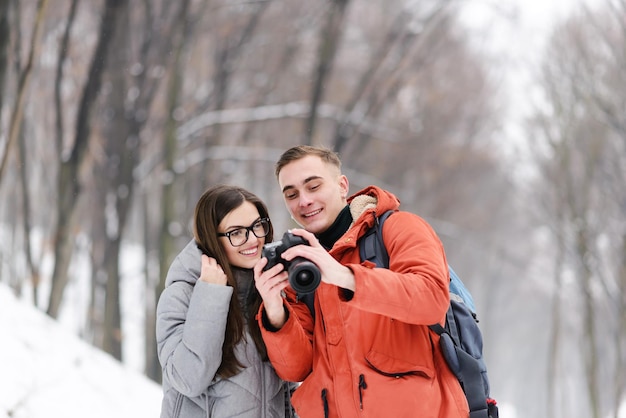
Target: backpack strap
[
  {"x": 472, "y": 385},
  {"x": 371, "y": 245},
  {"x": 463, "y": 365}
]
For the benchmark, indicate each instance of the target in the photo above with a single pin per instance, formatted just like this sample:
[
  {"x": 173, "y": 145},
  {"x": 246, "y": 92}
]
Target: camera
[{"x": 304, "y": 275}]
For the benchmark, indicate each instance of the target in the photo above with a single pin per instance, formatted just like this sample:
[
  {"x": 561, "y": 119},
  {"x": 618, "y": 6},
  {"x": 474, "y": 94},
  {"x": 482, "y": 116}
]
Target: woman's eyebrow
[{"x": 243, "y": 226}]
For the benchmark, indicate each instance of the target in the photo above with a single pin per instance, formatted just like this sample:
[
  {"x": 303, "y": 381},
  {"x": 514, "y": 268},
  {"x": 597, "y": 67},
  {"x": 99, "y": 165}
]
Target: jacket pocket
[{"x": 394, "y": 367}]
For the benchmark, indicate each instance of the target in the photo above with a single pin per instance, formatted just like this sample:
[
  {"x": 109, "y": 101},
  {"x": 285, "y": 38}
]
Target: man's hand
[{"x": 332, "y": 271}]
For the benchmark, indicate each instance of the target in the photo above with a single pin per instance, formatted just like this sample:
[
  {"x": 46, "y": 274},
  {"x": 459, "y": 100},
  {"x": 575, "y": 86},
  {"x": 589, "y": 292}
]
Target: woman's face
[{"x": 247, "y": 254}]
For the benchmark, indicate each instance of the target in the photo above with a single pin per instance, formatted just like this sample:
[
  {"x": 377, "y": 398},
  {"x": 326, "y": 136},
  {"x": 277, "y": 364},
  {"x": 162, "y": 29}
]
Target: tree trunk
[
  {"x": 4, "y": 48},
  {"x": 555, "y": 334},
  {"x": 123, "y": 145},
  {"x": 27, "y": 213},
  {"x": 176, "y": 40},
  {"x": 24, "y": 79},
  {"x": 69, "y": 181},
  {"x": 330, "y": 37},
  {"x": 120, "y": 151},
  {"x": 590, "y": 349},
  {"x": 167, "y": 242},
  {"x": 58, "y": 78}
]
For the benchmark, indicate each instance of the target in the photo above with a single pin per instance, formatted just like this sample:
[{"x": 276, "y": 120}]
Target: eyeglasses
[{"x": 239, "y": 236}]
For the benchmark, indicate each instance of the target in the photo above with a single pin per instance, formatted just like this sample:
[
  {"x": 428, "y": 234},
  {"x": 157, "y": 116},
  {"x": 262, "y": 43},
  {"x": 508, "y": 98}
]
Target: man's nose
[{"x": 305, "y": 199}]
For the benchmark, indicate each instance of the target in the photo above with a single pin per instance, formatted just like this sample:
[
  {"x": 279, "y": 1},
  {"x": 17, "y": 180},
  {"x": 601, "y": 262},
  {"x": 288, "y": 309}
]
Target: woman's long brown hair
[{"x": 211, "y": 208}]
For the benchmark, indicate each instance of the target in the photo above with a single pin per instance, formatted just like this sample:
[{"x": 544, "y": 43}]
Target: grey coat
[{"x": 190, "y": 327}]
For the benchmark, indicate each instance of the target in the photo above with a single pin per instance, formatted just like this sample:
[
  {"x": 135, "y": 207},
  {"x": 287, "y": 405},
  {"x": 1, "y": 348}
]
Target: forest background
[{"x": 116, "y": 115}]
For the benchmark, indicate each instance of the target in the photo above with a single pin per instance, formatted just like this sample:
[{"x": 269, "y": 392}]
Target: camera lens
[{"x": 304, "y": 276}]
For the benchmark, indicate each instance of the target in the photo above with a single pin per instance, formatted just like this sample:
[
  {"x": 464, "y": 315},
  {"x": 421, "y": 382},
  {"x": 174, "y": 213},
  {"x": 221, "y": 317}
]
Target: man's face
[{"x": 314, "y": 192}]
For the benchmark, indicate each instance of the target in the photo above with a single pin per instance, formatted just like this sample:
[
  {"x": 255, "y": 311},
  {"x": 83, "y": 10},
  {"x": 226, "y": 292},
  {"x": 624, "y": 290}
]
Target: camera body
[{"x": 304, "y": 275}]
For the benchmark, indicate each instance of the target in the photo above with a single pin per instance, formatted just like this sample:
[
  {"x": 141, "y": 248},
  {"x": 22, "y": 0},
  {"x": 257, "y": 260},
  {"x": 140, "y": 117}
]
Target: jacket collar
[
  {"x": 337, "y": 229},
  {"x": 364, "y": 206}
]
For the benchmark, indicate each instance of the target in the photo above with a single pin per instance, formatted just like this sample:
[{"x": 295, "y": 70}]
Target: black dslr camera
[{"x": 304, "y": 275}]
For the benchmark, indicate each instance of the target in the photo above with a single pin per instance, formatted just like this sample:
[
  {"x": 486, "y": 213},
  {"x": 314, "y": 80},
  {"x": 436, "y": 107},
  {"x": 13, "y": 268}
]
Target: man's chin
[{"x": 314, "y": 226}]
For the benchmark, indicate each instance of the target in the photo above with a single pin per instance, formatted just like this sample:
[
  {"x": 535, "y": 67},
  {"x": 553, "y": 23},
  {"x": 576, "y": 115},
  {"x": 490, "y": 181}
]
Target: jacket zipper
[
  {"x": 362, "y": 386},
  {"x": 325, "y": 402},
  {"x": 178, "y": 404},
  {"x": 263, "y": 392}
]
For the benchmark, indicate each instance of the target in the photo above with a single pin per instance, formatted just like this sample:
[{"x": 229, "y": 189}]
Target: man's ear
[{"x": 344, "y": 184}]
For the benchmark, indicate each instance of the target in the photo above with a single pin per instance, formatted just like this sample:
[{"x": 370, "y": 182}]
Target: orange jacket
[{"x": 371, "y": 353}]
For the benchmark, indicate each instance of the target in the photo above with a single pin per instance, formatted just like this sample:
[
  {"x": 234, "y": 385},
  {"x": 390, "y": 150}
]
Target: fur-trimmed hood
[{"x": 373, "y": 200}]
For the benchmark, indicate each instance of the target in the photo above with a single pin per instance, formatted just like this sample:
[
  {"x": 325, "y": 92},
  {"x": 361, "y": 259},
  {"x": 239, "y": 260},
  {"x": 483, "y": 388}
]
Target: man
[{"x": 367, "y": 351}]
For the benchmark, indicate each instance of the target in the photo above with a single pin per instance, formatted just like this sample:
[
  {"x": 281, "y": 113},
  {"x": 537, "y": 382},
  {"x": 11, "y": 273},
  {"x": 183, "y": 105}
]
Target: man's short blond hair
[{"x": 295, "y": 153}]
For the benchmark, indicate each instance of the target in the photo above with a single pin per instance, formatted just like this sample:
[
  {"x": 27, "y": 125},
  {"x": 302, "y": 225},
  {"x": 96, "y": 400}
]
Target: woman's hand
[
  {"x": 211, "y": 272},
  {"x": 270, "y": 285}
]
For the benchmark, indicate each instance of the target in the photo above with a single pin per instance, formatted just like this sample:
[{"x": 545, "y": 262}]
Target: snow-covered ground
[{"x": 49, "y": 372}]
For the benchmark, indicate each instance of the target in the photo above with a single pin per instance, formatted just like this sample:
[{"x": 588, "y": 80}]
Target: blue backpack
[{"x": 460, "y": 339}]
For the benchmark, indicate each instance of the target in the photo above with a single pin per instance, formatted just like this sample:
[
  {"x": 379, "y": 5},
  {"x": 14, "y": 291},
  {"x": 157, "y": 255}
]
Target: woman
[{"x": 209, "y": 345}]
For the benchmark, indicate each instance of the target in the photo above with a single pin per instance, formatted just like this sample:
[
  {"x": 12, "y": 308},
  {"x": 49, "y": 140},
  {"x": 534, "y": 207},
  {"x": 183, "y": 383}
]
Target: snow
[{"x": 50, "y": 372}]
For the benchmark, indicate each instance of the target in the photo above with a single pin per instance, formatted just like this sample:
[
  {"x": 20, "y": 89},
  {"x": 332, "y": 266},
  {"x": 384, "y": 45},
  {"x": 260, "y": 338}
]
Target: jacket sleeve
[
  {"x": 290, "y": 349},
  {"x": 190, "y": 329},
  {"x": 415, "y": 288}
]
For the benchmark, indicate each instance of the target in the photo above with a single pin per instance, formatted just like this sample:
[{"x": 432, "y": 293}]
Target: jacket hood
[
  {"x": 186, "y": 266},
  {"x": 372, "y": 199}
]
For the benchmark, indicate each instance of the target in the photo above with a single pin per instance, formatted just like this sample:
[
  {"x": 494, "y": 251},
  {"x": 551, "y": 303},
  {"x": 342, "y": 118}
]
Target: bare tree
[
  {"x": 583, "y": 84},
  {"x": 24, "y": 74},
  {"x": 166, "y": 241},
  {"x": 127, "y": 108},
  {"x": 61, "y": 60},
  {"x": 399, "y": 49},
  {"x": 4, "y": 48},
  {"x": 69, "y": 175},
  {"x": 24, "y": 79},
  {"x": 378, "y": 81},
  {"x": 330, "y": 38}
]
